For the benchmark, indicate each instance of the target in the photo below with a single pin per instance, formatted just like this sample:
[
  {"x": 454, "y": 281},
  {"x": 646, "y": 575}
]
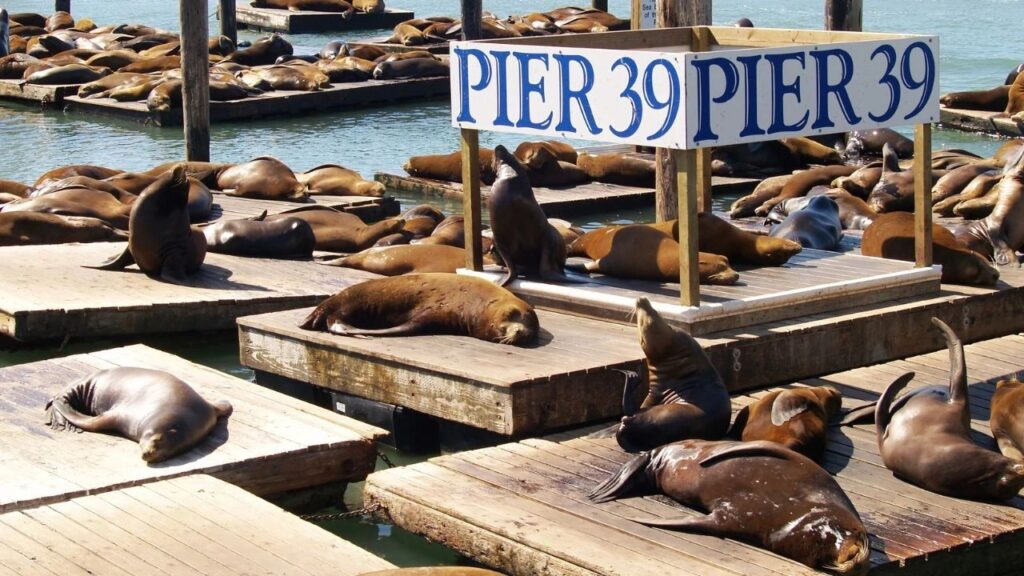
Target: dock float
[
  {"x": 994, "y": 123},
  {"x": 183, "y": 526},
  {"x": 370, "y": 209},
  {"x": 49, "y": 295},
  {"x": 46, "y": 96},
  {"x": 271, "y": 444},
  {"x": 276, "y": 20},
  {"x": 522, "y": 508}
]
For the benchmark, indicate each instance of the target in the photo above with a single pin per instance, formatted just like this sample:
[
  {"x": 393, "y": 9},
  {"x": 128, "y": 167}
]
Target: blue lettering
[
  {"x": 501, "y": 75},
  {"x": 527, "y": 88},
  {"x": 462, "y": 54},
  {"x": 839, "y": 89},
  {"x": 889, "y": 80},
  {"x": 704, "y": 98},
  {"x": 630, "y": 94},
  {"x": 579, "y": 95},
  {"x": 780, "y": 89},
  {"x": 750, "y": 125}
]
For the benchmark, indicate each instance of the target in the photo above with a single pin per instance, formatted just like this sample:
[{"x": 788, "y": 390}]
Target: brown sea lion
[
  {"x": 796, "y": 418},
  {"x": 59, "y": 20},
  {"x": 800, "y": 183},
  {"x": 535, "y": 154},
  {"x": 369, "y": 6},
  {"x": 977, "y": 188},
  {"x": 872, "y": 142},
  {"x": 892, "y": 236},
  {"x": 13, "y": 65},
  {"x": 685, "y": 397},
  {"x": 1015, "y": 97},
  {"x": 347, "y": 69},
  {"x": 305, "y": 78},
  {"x": 99, "y": 87},
  {"x": 410, "y": 68},
  {"x": 991, "y": 100},
  {"x": 15, "y": 188},
  {"x": 52, "y": 186},
  {"x": 1007, "y": 153},
  {"x": 815, "y": 225},
  {"x": 617, "y": 168},
  {"x": 569, "y": 232},
  {"x": 862, "y": 181},
  {"x": 338, "y": 231},
  {"x": 30, "y": 228},
  {"x": 812, "y": 152},
  {"x": 150, "y": 65},
  {"x": 264, "y": 177},
  {"x": 448, "y": 167},
  {"x": 427, "y": 303},
  {"x": 67, "y": 74},
  {"x": 755, "y": 492},
  {"x": 765, "y": 190},
  {"x": 450, "y": 232},
  {"x": 924, "y": 437},
  {"x": 76, "y": 201},
  {"x": 555, "y": 173},
  {"x": 160, "y": 239},
  {"x": 644, "y": 253},
  {"x": 220, "y": 45},
  {"x": 134, "y": 91},
  {"x": 263, "y": 51},
  {"x": 959, "y": 178},
  {"x": 428, "y": 210},
  {"x": 200, "y": 201},
  {"x": 335, "y": 180},
  {"x": 90, "y": 170},
  {"x": 527, "y": 244},
  {"x": 977, "y": 208},
  {"x": 1001, "y": 233},
  {"x": 718, "y": 236},
  {"x": 282, "y": 238},
  {"x": 160, "y": 412},
  {"x": 404, "y": 259},
  {"x": 29, "y": 19},
  {"x": 895, "y": 188},
  {"x": 361, "y": 51},
  {"x": 342, "y": 6},
  {"x": 1005, "y": 421},
  {"x": 164, "y": 95},
  {"x": 395, "y": 56},
  {"x": 407, "y": 35}
]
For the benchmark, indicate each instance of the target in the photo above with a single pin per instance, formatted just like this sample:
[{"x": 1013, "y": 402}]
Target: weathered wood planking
[
  {"x": 270, "y": 444},
  {"x": 566, "y": 379},
  {"x": 275, "y": 20},
  {"x": 562, "y": 202},
  {"x": 522, "y": 508},
  {"x": 46, "y": 96},
  {"x": 980, "y": 121},
  {"x": 47, "y": 293},
  {"x": 189, "y": 525},
  {"x": 369, "y": 209},
  {"x": 276, "y": 103}
]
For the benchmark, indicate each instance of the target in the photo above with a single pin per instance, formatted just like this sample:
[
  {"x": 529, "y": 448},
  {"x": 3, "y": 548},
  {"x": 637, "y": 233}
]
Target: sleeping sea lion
[
  {"x": 617, "y": 168},
  {"x": 410, "y": 68},
  {"x": 31, "y": 228},
  {"x": 1001, "y": 233},
  {"x": 448, "y": 167},
  {"x": 76, "y": 201},
  {"x": 800, "y": 183},
  {"x": 343, "y": 6},
  {"x": 816, "y": 225},
  {"x": 796, "y": 418},
  {"x": 282, "y": 238},
  {"x": 338, "y": 231},
  {"x": 991, "y": 100},
  {"x": 895, "y": 189},
  {"x": 263, "y": 51},
  {"x": 1005, "y": 421},
  {"x": 764, "y": 191},
  {"x": 718, "y": 236},
  {"x": 265, "y": 177},
  {"x": 404, "y": 259},
  {"x": 335, "y": 180}
]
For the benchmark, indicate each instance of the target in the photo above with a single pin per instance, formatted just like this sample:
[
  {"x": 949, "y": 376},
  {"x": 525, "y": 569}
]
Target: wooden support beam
[
  {"x": 685, "y": 162},
  {"x": 923, "y": 195},
  {"x": 5, "y": 33},
  {"x": 845, "y": 15},
  {"x": 472, "y": 12},
  {"x": 228, "y": 20},
  {"x": 62, "y": 6},
  {"x": 471, "y": 205},
  {"x": 195, "y": 88}
]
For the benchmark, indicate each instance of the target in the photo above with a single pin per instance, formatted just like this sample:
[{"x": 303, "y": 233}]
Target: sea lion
[
  {"x": 816, "y": 225},
  {"x": 1015, "y": 96},
  {"x": 569, "y": 232},
  {"x": 895, "y": 188},
  {"x": 331, "y": 50},
  {"x": 1006, "y": 424},
  {"x": 924, "y": 437},
  {"x": 957, "y": 179},
  {"x": 345, "y": 8},
  {"x": 107, "y": 83},
  {"x": 796, "y": 418},
  {"x": 977, "y": 188},
  {"x": 800, "y": 183},
  {"x": 872, "y": 142},
  {"x": 263, "y": 177},
  {"x": 160, "y": 412},
  {"x": 29, "y": 19},
  {"x": 618, "y": 168},
  {"x": 263, "y": 51},
  {"x": 220, "y": 46},
  {"x": 410, "y": 68},
  {"x": 76, "y": 201},
  {"x": 718, "y": 236},
  {"x": 523, "y": 238},
  {"x": 407, "y": 35},
  {"x": 347, "y": 69},
  {"x": 755, "y": 492},
  {"x": 369, "y": 6},
  {"x": 283, "y": 238},
  {"x": 765, "y": 190},
  {"x": 30, "y": 228},
  {"x": 304, "y": 78},
  {"x": 338, "y": 231},
  {"x": 59, "y": 20},
  {"x": 991, "y": 100},
  {"x": 52, "y": 186},
  {"x": 854, "y": 213},
  {"x": 755, "y": 160},
  {"x": 14, "y": 187},
  {"x": 427, "y": 303},
  {"x": 862, "y": 181},
  {"x": 812, "y": 152},
  {"x": 450, "y": 232},
  {"x": 435, "y": 571},
  {"x": 644, "y": 253},
  {"x": 535, "y": 154},
  {"x": 13, "y": 66},
  {"x": 160, "y": 240},
  {"x": 151, "y": 65},
  {"x": 980, "y": 207},
  {"x": 685, "y": 398},
  {"x": 67, "y": 74},
  {"x": 404, "y": 259},
  {"x": 892, "y": 236},
  {"x": 361, "y": 51},
  {"x": 1001, "y": 233},
  {"x": 90, "y": 170},
  {"x": 448, "y": 167},
  {"x": 549, "y": 171},
  {"x": 335, "y": 180}
]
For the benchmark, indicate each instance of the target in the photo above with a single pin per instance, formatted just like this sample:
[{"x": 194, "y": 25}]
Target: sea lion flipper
[
  {"x": 627, "y": 481},
  {"x": 63, "y": 417},
  {"x": 173, "y": 271},
  {"x": 957, "y": 363},
  {"x": 710, "y": 524},
  {"x": 736, "y": 431},
  {"x": 408, "y": 328},
  {"x": 629, "y": 405},
  {"x": 860, "y": 415},
  {"x": 787, "y": 405},
  {"x": 745, "y": 450},
  {"x": 882, "y": 413},
  {"x": 223, "y": 408},
  {"x": 119, "y": 262}
]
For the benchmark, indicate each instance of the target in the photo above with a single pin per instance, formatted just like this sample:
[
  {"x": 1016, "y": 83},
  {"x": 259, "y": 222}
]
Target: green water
[{"x": 980, "y": 42}]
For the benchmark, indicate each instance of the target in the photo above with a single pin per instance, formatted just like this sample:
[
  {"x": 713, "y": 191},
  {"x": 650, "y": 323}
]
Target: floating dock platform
[
  {"x": 46, "y": 96},
  {"x": 191, "y": 525},
  {"x": 522, "y": 508},
  {"x": 271, "y": 444},
  {"x": 370, "y": 209},
  {"x": 49, "y": 295},
  {"x": 275, "y": 20},
  {"x": 994, "y": 123}
]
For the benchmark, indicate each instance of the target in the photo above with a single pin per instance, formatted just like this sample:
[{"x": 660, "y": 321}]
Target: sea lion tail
[
  {"x": 316, "y": 320},
  {"x": 882, "y": 414},
  {"x": 119, "y": 262},
  {"x": 957, "y": 363},
  {"x": 629, "y": 480},
  {"x": 857, "y": 552}
]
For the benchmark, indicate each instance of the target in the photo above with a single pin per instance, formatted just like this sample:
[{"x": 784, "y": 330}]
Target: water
[{"x": 977, "y": 50}]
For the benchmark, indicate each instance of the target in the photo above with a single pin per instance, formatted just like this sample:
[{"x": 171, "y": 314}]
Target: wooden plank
[{"x": 306, "y": 21}]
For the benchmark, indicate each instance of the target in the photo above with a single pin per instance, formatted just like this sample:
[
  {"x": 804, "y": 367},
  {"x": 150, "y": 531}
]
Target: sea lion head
[
  {"x": 657, "y": 338},
  {"x": 172, "y": 432},
  {"x": 512, "y": 321},
  {"x": 776, "y": 251},
  {"x": 159, "y": 446},
  {"x": 1011, "y": 479},
  {"x": 506, "y": 165},
  {"x": 976, "y": 270}
]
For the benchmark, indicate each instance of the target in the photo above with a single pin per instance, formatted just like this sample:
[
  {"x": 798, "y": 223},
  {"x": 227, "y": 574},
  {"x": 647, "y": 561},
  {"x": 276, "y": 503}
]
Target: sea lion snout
[{"x": 157, "y": 446}]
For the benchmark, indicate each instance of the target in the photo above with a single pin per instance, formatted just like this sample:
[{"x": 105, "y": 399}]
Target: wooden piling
[
  {"x": 845, "y": 15},
  {"x": 686, "y": 183},
  {"x": 5, "y": 28},
  {"x": 923, "y": 195},
  {"x": 472, "y": 11},
  {"x": 600, "y": 5},
  {"x": 195, "y": 88},
  {"x": 228, "y": 20},
  {"x": 62, "y": 6}
]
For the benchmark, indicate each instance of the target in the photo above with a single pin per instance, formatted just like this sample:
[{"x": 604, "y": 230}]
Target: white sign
[
  {"x": 692, "y": 100},
  {"x": 647, "y": 11}
]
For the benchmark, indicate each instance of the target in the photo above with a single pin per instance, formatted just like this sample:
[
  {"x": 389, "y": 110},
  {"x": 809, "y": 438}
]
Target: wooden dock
[
  {"x": 49, "y": 295},
  {"x": 277, "y": 103},
  {"x": 45, "y": 96},
  {"x": 271, "y": 444},
  {"x": 274, "y": 20},
  {"x": 190, "y": 525},
  {"x": 370, "y": 209},
  {"x": 522, "y": 508},
  {"x": 993, "y": 123},
  {"x": 563, "y": 202}
]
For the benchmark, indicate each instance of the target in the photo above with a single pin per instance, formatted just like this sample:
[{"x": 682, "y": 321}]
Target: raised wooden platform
[
  {"x": 191, "y": 525},
  {"x": 370, "y": 209},
  {"x": 979, "y": 121},
  {"x": 46, "y": 96},
  {"x": 276, "y": 103},
  {"x": 269, "y": 445},
  {"x": 47, "y": 294},
  {"x": 522, "y": 508},
  {"x": 274, "y": 20}
]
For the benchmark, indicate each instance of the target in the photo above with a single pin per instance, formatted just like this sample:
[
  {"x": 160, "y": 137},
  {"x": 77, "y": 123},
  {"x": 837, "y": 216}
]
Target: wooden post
[
  {"x": 195, "y": 87},
  {"x": 845, "y": 15},
  {"x": 923, "y": 195},
  {"x": 672, "y": 13},
  {"x": 600, "y": 4},
  {"x": 228, "y": 23},
  {"x": 62, "y": 6},
  {"x": 5, "y": 36},
  {"x": 686, "y": 182},
  {"x": 472, "y": 11}
]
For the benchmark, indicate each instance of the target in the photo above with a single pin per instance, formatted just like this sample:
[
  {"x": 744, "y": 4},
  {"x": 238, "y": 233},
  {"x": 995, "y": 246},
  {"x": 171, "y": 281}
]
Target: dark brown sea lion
[
  {"x": 59, "y": 20},
  {"x": 549, "y": 171},
  {"x": 895, "y": 188},
  {"x": 991, "y": 100},
  {"x": 160, "y": 239},
  {"x": 617, "y": 168},
  {"x": 345, "y": 8},
  {"x": 924, "y": 437},
  {"x": 67, "y": 74},
  {"x": 338, "y": 231},
  {"x": 812, "y": 152},
  {"x": 30, "y": 228},
  {"x": 264, "y": 177},
  {"x": 892, "y": 236},
  {"x": 448, "y": 167},
  {"x": 755, "y": 160},
  {"x": 800, "y": 183},
  {"x": 644, "y": 253},
  {"x": 569, "y": 232},
  {"x": 15, "y": 188},
  {"x": 765, "y": 190},
  {"x": 200, "y": 201},
  {"x": 76, "y": 201},
  {"x": 164, "y": 96},
  {"x": 427, "y": 303},
  {"x": 220, "y": 45},
  {"x": 410, "y": 68},
  {"x": 263, "y": 51},
  {"x": 160, "y": 412},
  {"x": 405, "y": 259},
  {"x": 755, "y": 492},
  {"x": 718, "y": 236},
  {"x": 29, "y": 19},
  {"x": 361, "y": 51},
  {"x": 335, "y": 180},
  {"x": 1001, "y": 233},
  {"x": 13, "y": 65},
  {"x": 283, "y": 238},
  {"x": 872, "y": 142},
  {"x": 1006, "y": 422},
  {"x": 816, "y": 225},
  {"x": 796, "y": 418},
  {"x": 527, "y": 244}
]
